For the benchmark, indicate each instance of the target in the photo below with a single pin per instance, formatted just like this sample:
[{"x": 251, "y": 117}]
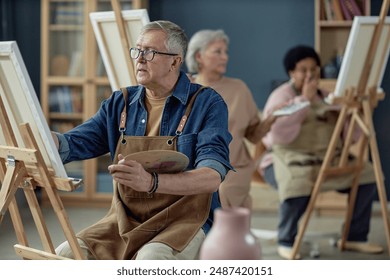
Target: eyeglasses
[{"x": 148, "y": 55}]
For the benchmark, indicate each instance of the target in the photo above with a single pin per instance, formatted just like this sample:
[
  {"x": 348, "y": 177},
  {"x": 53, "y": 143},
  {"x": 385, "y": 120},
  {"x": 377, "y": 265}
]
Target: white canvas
[
  {"x": 110, "y": 45},
  {"x": 356, "y": 52},
  {"x": 22, "y": 106}
]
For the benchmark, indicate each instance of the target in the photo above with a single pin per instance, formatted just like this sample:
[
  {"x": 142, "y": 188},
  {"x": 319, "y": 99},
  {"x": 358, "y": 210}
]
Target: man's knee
[
  {"x": 155, "y": 251},
  {"x": 160, "y": 251},
  {"x": 64, "y": 250}
]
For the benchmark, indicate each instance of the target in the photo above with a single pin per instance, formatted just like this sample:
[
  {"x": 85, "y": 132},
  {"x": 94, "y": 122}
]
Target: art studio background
[{"x": 260, "y": 33}]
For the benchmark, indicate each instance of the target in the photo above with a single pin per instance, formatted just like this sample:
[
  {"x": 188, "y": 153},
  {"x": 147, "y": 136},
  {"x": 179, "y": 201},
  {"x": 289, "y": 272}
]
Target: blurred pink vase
[{"x": 230, "y": 237}]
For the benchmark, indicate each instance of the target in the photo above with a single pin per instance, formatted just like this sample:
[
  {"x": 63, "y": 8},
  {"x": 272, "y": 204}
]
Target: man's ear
[{"x": 176, "y": 63}]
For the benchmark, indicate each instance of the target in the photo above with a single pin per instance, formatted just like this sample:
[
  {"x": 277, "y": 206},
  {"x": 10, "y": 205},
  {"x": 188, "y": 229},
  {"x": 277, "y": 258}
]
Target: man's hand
[{"x": 131, "y": 173}]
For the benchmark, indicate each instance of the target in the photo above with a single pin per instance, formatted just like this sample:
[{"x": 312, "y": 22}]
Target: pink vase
[{"x": 230, "y": 237}]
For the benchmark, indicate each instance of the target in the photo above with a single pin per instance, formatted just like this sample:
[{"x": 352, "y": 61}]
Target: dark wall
[
  {"x": 20, "y": 22},
  {"x": 260, "y": 32}
]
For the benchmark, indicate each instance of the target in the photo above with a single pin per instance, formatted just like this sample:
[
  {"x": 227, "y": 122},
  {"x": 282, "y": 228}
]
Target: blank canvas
[
  {"x": 109, "y": 41},
  {"x": 357, "y": 50},
  {"x": 22, "y": 106}
]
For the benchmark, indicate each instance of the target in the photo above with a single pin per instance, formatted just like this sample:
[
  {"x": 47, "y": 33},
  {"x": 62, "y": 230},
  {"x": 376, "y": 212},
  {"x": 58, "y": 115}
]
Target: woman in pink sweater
[{"x": 296, "y": 146}]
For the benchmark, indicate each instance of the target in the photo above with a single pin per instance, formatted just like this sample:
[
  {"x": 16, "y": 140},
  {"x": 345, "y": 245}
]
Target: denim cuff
[
  {"x": 216, "y": 165},
  {"x": 63, "y": 147}
]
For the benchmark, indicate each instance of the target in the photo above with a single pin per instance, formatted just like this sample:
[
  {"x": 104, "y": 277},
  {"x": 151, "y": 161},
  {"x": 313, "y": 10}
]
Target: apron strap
[
  {"x": 122, "y": 124},
  {"x": 183, "y": 120},
  {"x": 179, "y": 130}
]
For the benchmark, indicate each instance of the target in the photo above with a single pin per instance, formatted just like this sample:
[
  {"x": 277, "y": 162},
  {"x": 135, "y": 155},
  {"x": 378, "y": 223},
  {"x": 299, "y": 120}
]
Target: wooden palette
[{"x": 161, "y": 161}]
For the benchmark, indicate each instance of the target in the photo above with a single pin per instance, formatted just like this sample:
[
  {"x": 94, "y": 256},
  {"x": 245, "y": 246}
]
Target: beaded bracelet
[{"x": 155, "y": 183}]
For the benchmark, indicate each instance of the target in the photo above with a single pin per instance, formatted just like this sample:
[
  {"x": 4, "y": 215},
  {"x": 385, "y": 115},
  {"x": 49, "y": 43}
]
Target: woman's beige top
[{"x": 244, "y": 121}]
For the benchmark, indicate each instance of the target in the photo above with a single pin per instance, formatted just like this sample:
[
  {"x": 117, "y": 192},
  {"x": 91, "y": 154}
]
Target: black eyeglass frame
[{"x": 142, "y": 53}]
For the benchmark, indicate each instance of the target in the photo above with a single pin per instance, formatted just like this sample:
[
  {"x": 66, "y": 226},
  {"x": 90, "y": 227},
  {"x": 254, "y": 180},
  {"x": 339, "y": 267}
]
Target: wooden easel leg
[
  {"x": 14, "y": 175},
  {"x": 17, "y": 223},
  {"x": 11, "y": 176},
  {"x": 355, "y": 182},
  {"x": 350, "y": 209},
  {"x": 38, "y": 218},
  {"x": 53, "y": 195},
  {"x": 320, "y": 179},
  {"x": 2, "y": 169},
  {"x": 65, "y": 223},
  {"x": 12, "y": 179},
  {"x": 124, "y": 37}
]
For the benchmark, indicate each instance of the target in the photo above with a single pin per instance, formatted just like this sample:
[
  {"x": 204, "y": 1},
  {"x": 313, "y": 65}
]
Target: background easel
[
  {"x": 358, "y": 103},
  {"x": 25, "y": 168},
  {"x": 125, "y": 40}
]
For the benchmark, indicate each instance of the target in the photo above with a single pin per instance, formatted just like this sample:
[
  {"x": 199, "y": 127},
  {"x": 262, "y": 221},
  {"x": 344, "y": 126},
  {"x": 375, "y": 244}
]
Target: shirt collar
[
  {"x": 182, "y": 88},
  {"x": 138, "y": 94},
  {"x": 180, "y": 92}
]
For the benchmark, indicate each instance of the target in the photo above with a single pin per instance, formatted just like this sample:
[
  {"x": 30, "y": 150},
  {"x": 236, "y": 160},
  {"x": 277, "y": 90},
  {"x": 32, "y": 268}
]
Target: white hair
[
  {"x": 176, "y": 38},
  {"x": 199, "y": 42}
]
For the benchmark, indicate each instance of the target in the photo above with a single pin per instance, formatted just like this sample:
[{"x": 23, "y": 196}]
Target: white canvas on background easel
[
  {"x": 114, "y": 46},
  {"x": 28, "y": 157},
  {"x": 357, "y": 48}
]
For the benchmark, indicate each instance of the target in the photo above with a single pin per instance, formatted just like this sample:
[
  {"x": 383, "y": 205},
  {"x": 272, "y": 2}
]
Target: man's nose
[{"x": 140, "y": 58}]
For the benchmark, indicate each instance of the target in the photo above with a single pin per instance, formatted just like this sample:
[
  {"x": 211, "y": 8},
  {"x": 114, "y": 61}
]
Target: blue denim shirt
[{"x": 205, "y": 138}]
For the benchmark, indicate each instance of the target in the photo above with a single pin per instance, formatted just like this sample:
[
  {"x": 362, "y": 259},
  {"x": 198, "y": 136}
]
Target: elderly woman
[
  {"x": 206, "y": 60},
  {"x": 297, "y": 145}
]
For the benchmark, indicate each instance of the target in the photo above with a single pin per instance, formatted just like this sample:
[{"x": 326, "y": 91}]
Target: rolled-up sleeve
[
  {"x": 63, "y": 147},
  {"x": 216, "y": 165}
]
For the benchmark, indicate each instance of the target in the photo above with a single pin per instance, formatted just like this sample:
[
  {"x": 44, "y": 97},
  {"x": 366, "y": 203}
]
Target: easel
[
  {"x": 124, "y": 39},
  {"x": 358, "y": 103},
  {"x": 25, "y": 168}
]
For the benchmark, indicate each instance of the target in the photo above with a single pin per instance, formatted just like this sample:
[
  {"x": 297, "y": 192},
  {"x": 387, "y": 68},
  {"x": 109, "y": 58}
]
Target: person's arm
[
  {"x": 285, "y": 128},
  {"x": 257, "y": 128},
  {"x": 61, "y": 144},
  {"x": 212, "y": 155},
  {"x": 255, "y": 133},
  {"x": 201, "y": 180},
  {"x": 92, "y": 138}
]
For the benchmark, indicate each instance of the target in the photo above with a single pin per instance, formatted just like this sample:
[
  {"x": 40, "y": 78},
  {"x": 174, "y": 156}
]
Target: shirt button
[{"x": 143, "y": 121}]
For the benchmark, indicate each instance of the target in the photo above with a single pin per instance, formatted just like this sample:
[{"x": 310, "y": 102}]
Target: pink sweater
[{"x": 286, "y": 128}]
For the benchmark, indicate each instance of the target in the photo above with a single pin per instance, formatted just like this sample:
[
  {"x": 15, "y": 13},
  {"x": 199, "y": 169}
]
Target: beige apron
[
  {"x": 136, "y": 218},
  {"x": 297, "y": 164}
]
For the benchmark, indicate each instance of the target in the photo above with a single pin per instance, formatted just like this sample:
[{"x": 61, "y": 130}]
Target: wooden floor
[{"x": 264, "y": 223}]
